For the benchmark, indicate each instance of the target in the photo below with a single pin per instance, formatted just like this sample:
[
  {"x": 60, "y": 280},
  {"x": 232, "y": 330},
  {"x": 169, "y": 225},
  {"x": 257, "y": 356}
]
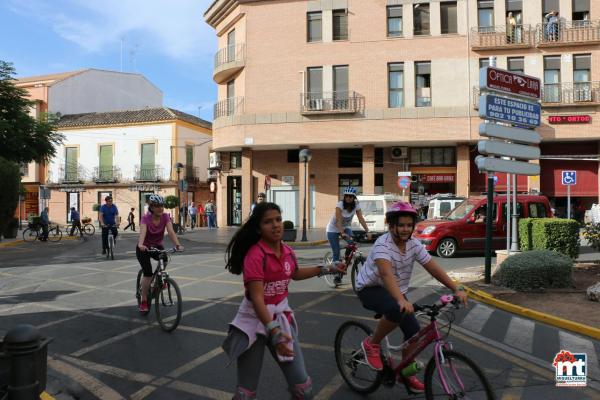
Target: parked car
[
  {"x": 442, "y": 205},
  {"x": 464, "y": 227},
  {"x": 373, "y": 207}
]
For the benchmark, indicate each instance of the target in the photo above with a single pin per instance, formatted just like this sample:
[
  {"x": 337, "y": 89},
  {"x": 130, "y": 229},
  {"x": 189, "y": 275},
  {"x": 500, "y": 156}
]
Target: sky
[{"x": 165, "y": 40}]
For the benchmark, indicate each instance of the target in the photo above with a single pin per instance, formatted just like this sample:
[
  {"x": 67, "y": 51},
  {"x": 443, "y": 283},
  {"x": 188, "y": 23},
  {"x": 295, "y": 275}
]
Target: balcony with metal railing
[
  {"x": 192, "y": 174},
  {"x": 228, "y": 61},
  {"x": 106, "y": 174},
  {"x": 71, "y": 173},
  {"x": 502, "y": 37},
  {"x": 229, "y": 107},
  {"x": 571, "y": 33},
  {"x": 571, "y": 94},
  {"x": 148, "y": 173},
  {"x": 342, "y": 102}
]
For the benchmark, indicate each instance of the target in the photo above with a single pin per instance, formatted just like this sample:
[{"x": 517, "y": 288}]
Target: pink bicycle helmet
[{"x": 401, "y": 207}]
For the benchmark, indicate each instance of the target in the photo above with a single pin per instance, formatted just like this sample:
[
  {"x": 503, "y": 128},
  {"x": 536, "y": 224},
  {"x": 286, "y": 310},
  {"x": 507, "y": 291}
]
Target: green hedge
[
  {"x": 561, "y": 235},
  {"x": 535, "y": 270}
]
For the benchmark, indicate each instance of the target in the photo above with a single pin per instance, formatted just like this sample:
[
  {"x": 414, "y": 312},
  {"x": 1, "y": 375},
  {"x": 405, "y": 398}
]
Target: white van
[
  {"x": 442, "y": 205},
  {"x": 374, "y": 207}
]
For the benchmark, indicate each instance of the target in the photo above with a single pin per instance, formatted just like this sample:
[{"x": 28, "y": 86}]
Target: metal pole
[
  {"x": 304, "y": 238},
  {"x": 568, "y": 201},
  {"x": 178, "y": 197},
  {"x": 508, "y": 214},
  {"x": 515, "y": 217},
  {"x": 488, "y": 229}
]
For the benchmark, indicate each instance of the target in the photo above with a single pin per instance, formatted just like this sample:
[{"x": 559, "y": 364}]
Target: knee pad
[
  {"x": 244, "y": 394},
  {"x": 302, "y": 391}
]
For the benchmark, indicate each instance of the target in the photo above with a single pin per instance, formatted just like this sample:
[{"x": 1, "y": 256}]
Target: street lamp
[
  {"x": 178, "y": 168},
  {"x": 305, "y": 156}
]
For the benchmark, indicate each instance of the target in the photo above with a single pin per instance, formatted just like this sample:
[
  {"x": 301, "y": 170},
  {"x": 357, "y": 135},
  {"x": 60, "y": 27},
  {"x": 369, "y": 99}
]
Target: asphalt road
[{"x": 103, "y": 348}]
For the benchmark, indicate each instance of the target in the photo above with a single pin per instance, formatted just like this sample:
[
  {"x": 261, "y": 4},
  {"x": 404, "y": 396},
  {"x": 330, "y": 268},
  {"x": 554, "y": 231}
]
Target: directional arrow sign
[
  {"x": 510, "y": 167},
  {"x": 508, "y": 133},
  {"x": 510, "y": 110},
  {"x": 520, "y": 151}
]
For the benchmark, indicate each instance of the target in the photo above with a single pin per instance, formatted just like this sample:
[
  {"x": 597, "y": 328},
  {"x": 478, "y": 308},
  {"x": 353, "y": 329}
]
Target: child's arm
[
  {"x": 311, "y": 272},
  {"x": 389, "y": 283},
  {"x": 438, "y": 273}
]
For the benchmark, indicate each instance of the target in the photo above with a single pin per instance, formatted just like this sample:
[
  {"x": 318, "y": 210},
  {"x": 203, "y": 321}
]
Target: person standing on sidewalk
[
  {"x": 209, "y": 208},
  {"x": 130, "y": 220},
  {"x": 192, "y": 211},
  {"x": 44, "y": 222},
  {"x": 201, "y": 215}
]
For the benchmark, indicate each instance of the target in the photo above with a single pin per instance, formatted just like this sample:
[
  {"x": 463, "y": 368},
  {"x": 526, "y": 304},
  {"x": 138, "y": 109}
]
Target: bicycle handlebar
[
  {"x": 167, "y": 251},
  {"x": 437, "y": 306}
]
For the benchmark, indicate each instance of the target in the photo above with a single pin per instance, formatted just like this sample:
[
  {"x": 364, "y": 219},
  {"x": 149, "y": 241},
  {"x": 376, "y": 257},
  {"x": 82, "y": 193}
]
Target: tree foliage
[
  {"x": 10, "y": 179},
  {"x": 23, "y": 138}
]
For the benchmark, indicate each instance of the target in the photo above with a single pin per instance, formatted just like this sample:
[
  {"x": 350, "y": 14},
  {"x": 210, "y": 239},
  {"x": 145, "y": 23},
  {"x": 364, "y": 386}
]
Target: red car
[{"x": 463, "y": 228}]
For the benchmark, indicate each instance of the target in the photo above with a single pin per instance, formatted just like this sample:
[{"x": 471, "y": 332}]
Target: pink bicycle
[{"x": 448, "y": 374}]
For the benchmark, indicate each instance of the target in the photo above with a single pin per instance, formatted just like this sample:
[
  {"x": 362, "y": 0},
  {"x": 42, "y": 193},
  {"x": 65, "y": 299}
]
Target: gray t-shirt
[{"x": 402, "y": 263}]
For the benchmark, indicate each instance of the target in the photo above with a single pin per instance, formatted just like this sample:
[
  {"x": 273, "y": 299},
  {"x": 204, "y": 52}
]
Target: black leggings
[
  {"x": 144, "y": 259},
  {"x": 378, "y": 299}
]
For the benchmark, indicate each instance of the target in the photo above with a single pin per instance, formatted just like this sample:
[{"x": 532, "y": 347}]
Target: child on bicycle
[
  {"x": 383, "y": 282},
  {"x": 152, "y": 232},
  {"x": 265, "y": 319}
]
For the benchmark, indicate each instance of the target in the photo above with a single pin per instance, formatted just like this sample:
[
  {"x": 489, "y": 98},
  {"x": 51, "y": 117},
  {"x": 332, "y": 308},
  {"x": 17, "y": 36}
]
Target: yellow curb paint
[
  {"x": 536, "y": 315},
  {"x": 10, "y": 244},
  {"x": 46, "y": 396},
  {"x": 302, "y": 244}
]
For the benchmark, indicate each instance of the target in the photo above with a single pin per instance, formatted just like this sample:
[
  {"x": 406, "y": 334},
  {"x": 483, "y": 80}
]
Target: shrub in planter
[
  {"x": 11, "y": 228},
  {"x": 96, "y": 207},
  {"x": 289, "y": 233},
  {"x": 561, "y": 235},
  {"x": 535, "y": 270},
  {"x": 592, "y": 233},
  {"x": 171, "y": 202}
]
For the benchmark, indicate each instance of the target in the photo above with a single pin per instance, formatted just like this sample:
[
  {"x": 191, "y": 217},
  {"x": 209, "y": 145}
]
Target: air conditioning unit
[
  {"x": 399, "y": 153},
  {"x": 214, "y": 160}
]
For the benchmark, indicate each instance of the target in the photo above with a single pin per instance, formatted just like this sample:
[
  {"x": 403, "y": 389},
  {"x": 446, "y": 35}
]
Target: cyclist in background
[
  {"x": 265, "y": 318},
  {"x": 152, "y": 232},
  {"x": 75, "y": 221},
  {"x": 44, "y": 222},
  {"x": 339, "y": 224},
  {"x": 383, "y": 282},
  {"x": 109, "y": 219}
]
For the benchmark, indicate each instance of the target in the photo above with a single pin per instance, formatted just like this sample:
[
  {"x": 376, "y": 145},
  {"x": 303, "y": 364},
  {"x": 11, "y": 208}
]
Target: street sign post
[
  {"x": 510, "y": 167},
  {"x": 510, "y": 83},
  {"x": 510, "y": 111},
  {"x": 498, "y": 148},
  {"x": 516, "y": 135},
  {"x": 404, "y": 183},
  {"x": 569, "y": 178}
]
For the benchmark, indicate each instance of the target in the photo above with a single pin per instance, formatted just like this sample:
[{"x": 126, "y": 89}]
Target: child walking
[{"x": 265, "y": 319}]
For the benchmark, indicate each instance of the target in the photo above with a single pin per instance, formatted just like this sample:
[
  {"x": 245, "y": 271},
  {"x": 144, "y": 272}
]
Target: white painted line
[
  {"x": 91, "y": 384},
  {"x": 577, "y": 344},
  {"x": 110, "y": 370},
  {"x": 111, "y": 340},
  {"x": 330, "y": 388},
  {"x": 198, "y": 390},
  {"x": 316, "y": 301},
  {"x": 477, "y": 317},
  {"x": 143, "y": 392},
  {"x": 195, "y": 363},
  {"x": 520, "y": 334},
  {"x": 516, "y": 381}
]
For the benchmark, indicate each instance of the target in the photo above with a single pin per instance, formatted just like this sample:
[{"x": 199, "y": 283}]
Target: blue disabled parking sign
[{"x": 569, "y": 178}]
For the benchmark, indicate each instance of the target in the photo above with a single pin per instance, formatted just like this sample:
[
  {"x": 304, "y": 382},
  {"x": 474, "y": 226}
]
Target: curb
[
  {"x": 10, "y": 244},
  {"x": 46, "y": 396},
  {"x": 558, "y": 322},
  {"x": 307, "y": 244}
]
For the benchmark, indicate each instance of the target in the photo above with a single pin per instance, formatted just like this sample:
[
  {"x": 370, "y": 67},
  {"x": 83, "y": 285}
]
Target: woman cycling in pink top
[
  {"x": 265, "y": 319},
  {"x": 152, "y": 232}
]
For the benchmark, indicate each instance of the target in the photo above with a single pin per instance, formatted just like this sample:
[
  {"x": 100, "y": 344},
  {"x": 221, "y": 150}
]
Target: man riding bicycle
[
  {"x": 382, "y": 283},
  {"x": 109, "y": 219},
  {"x": 152, "y": 232},
  {"x": 75, "y": 222}
]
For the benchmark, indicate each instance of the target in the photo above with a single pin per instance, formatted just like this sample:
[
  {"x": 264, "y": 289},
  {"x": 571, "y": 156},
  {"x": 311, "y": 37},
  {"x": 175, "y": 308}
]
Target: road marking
[
  {"x": 201, "y": 330},
  {"x": 143, "y": 392},
  {"x": 330, "y": 388},
  {"x": 199, "y": 390},
  {"x": 520, "y": 334},
  {"x": 110, "y": 370},
  {"x": 476, "y": 318},
  {"x": 576, "y": 344},
  {"x": 108, "y": 341},
  {"x": 316, "y": 301},
  {"x": 91, "y": 384},
  {"x": 225, "y": 282},
  {"x": 516, "y": 381},
  {"x": 195, "y": 362}
]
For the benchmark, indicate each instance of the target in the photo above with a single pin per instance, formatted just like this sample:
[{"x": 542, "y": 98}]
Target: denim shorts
[{"x": 378, "y": 299}]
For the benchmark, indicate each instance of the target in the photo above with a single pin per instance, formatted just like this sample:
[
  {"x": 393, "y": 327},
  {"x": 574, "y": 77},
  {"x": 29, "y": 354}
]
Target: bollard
[{"x": 22, "y": 345}]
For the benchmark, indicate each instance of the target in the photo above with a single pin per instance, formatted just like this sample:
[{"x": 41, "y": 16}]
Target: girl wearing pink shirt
[{"x": 265, "y": 318}]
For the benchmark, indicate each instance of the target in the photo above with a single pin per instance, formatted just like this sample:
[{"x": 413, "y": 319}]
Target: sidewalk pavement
[{"x": 223, "y": 235}]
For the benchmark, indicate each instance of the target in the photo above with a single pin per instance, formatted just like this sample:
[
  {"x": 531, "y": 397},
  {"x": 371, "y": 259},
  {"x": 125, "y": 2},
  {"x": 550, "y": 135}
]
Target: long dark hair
[
  {"x": 247, "y": 236},
  {"x": 350, "y": 206}
]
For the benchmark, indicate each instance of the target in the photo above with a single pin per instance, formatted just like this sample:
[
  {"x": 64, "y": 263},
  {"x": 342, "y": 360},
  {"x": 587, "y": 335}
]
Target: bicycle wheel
[
  {"x": 350, "y": 358},
  {"x": 54, "y": 234},
  {"x": 30, "y": 235},
  {"x": 89, "y": 229},
  {"x": 138, "y": 291},
  {"x": 168, "y": 305},
  {"x": 329, "y": 278},
  {"x": 359, "y": 262},
  {"x": 457, "y": 377}
]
